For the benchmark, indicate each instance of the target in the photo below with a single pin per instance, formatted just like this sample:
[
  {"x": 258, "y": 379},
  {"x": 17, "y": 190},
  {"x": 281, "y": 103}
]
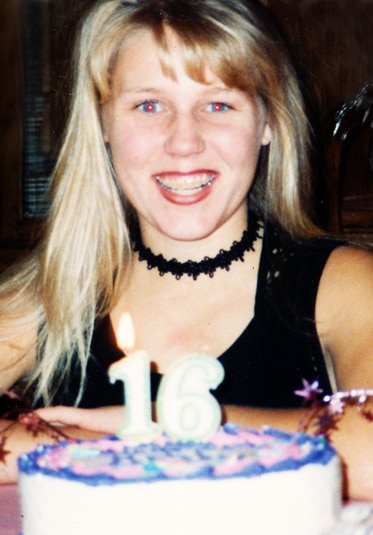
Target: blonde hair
[{"x": 74, "y": 275}]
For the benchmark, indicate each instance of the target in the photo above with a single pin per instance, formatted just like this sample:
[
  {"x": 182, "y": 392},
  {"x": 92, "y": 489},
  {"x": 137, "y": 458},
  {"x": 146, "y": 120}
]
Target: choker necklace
[{"x": 207, "y": 265}]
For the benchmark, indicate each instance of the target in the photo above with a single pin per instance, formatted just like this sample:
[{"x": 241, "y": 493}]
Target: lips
[{"x": 186, "y": 184}]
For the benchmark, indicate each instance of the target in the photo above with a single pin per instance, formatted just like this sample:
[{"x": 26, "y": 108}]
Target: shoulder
[
  {"x": 348, "y": 274},
  {"x": 17, "y": 356},
  {"x": 350, "y": 256},
  {"x": 344, "y": 314},
  {"x": 18, "y": 341}
]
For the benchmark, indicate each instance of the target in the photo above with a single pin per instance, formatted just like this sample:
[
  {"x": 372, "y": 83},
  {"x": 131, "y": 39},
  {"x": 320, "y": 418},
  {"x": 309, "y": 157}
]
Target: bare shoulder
[
  {"x": 350, "y": 258},
  {"x": 348, "y": 274},
  {"x": 344, "y": 314}
]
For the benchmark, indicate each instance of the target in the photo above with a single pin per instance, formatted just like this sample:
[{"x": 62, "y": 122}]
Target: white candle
[
  {"x": 134, "y": 371},
  {"x": 185, "y": 407}
]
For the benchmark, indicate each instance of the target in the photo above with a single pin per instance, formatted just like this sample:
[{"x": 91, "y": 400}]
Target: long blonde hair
[{"x": 74, "y": 275}]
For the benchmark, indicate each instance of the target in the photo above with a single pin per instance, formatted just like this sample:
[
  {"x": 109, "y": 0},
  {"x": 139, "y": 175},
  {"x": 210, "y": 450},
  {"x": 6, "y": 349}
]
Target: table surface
[
  {"x": 356, "y": 518},
  {"x": 10, "y": 513}
]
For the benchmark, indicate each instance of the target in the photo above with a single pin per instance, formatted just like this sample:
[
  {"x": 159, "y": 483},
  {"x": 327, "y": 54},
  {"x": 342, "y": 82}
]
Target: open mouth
[{"x": 185, "y": 184}]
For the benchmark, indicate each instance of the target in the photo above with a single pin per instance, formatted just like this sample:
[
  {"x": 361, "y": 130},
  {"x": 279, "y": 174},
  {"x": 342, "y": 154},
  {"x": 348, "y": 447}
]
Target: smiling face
[{"x": 184, "y": 152}]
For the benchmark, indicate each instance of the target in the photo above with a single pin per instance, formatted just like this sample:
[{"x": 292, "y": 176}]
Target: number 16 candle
[{"x": 186, "y": 409}]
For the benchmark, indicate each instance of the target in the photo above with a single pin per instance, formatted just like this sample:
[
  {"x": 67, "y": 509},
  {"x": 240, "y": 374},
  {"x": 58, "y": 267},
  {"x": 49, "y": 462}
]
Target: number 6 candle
[{"x": 185, "y": 408}]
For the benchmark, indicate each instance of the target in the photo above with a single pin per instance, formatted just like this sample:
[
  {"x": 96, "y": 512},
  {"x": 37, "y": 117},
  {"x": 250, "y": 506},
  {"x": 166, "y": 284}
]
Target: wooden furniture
[
  {"x": 332, "y": 42},
  {"x": 350, "y": 166}
]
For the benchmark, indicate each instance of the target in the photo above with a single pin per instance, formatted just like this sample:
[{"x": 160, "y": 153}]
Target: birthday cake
[{"x": 239, "y": 481}]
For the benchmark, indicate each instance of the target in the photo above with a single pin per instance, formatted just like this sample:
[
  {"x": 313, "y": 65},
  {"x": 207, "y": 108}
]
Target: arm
[
  {"x": 17, "y": 361},
  {"x": 344, "y": 314},
  {"x": 19, "y": 439},
  {"x": 68, "y": 422}
]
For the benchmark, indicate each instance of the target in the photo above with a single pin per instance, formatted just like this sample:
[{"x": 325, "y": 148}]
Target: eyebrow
[
  {"x": 209, "y": 89},
  {"x": 140, "y": 90}
]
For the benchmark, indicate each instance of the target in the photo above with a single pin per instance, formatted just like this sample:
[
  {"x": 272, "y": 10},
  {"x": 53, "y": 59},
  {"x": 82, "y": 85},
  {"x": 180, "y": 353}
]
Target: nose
[{"x": 185, "y": 137}]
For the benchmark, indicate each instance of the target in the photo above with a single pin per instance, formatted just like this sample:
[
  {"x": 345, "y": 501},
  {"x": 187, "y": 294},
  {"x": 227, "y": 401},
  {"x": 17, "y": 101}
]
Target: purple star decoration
[
  {"x": 327, "y": 410},
  {"x": 309, "y": 391}
]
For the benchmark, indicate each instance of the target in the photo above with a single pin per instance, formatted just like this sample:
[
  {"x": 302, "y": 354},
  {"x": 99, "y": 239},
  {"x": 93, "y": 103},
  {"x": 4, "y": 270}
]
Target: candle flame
[{"x": 125, "y": 333}]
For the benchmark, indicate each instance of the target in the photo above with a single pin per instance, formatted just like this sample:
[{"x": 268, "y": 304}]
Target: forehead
[{"x": 141, "y": 60}]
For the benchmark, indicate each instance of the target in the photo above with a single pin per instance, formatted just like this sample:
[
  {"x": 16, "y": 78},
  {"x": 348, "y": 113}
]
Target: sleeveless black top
[{"x": 277, "y": 349}]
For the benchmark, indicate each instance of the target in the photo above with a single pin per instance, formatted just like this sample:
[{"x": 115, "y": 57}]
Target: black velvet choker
[{"x": 207, "y": 265}]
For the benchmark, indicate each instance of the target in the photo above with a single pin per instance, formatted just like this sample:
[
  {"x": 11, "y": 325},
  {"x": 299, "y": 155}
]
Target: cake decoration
[
  {"x": 326, "y": 411},
  {"x": 231, "y": 452}
]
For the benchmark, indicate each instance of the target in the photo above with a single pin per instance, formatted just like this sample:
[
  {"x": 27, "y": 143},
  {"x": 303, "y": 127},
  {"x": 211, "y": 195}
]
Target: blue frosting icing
[{"x": 194, "y": 459}]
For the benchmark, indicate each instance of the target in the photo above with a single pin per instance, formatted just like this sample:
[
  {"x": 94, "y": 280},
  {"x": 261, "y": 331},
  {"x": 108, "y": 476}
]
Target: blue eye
[
  {"x": 149, "y": 106},
  {"x": 217, "y": 107}
]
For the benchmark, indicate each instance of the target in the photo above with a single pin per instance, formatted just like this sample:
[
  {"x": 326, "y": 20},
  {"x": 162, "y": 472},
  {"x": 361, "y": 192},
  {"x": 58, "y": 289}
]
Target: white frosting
[{"x": 302, "y": 502}]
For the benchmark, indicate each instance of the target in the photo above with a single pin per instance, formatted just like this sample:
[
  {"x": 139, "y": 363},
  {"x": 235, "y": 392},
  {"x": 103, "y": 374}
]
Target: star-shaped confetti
[
  {"x": 310, "y": 391},
  {"x": 326, "y": 422}
]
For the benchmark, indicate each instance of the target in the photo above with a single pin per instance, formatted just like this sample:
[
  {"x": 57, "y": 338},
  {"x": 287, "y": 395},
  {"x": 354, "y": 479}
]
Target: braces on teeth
[{"x": 184, "y": 186}]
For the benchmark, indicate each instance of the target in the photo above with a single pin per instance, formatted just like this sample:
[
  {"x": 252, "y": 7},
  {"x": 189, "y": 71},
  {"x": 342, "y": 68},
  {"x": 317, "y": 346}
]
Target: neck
[
  {"x": 208, "y": 265},
  {"x": 187, "y": 242}
]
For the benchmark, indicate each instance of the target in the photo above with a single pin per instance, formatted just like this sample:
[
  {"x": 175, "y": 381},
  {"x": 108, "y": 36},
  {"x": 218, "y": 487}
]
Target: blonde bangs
[
  {"x": 215, "y": 48},
  {"x": 213, "y": 44}
]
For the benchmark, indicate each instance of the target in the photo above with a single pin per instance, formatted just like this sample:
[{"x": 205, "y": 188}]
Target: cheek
[
  {"x": 131, "y": 159},
  {"x": 122, "y": 138},
  {"x": 242, "y": 146},
  {"x": 128, "y": 150}
]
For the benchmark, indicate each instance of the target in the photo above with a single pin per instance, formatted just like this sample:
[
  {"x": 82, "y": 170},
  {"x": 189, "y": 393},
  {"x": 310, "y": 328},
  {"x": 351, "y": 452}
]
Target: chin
[{"x": 188, "y": 234}]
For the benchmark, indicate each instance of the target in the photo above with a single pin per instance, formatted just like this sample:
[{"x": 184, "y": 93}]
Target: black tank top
[{"x": 277, "y": 349}]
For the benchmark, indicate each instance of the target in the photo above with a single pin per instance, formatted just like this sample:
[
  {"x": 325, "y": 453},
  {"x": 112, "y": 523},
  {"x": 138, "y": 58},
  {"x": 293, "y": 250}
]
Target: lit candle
[
  {"x": 134, "y": 371},
  {"x": 185, "y": 407}
]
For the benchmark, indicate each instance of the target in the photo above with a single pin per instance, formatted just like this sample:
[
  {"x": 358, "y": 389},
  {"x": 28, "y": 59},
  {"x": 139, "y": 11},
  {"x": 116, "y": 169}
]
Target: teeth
[{"x": 186, "y": 185}]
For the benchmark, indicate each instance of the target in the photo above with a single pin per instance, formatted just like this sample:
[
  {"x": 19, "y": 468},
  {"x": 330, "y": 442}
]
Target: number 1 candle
[{"x": 134, "y": 371}]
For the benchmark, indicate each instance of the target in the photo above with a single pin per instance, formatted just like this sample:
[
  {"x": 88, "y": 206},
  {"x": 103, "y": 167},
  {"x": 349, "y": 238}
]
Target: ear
[
  {"x": 267, "y": 134},
  {"x": 104, "y": 119}
]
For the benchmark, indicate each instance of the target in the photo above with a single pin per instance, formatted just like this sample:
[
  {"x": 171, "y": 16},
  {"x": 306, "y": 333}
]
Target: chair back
[{"x": 350, "y": 166}]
